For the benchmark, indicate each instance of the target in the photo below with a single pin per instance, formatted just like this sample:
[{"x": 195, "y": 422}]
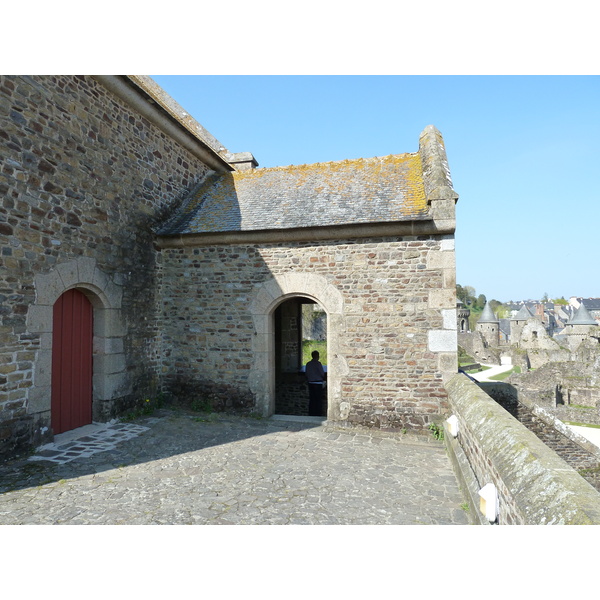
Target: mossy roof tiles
[{"x": 375, "y": 190}]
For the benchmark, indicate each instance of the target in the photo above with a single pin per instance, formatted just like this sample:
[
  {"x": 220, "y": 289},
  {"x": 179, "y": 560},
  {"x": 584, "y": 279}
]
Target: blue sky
[
  {"x": 523, "y": 154},
  {"x": 287, "y": 83}
]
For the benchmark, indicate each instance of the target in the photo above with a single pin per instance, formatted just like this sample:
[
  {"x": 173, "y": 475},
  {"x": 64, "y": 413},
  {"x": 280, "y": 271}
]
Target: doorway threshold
[{"x": 299, "y": 419}]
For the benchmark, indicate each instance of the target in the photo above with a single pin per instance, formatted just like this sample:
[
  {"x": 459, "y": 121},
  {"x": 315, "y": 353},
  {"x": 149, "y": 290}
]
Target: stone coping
[{"x": 535, "y": 485}]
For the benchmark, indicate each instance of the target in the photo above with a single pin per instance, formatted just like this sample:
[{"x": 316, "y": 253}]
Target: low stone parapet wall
[
  {"x": 577, "y": 414},
  {"x": 534, "y": 485}
]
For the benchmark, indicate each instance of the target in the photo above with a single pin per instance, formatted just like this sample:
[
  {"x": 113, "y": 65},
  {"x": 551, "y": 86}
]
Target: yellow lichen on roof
[
  {"x": 404, "y": 171},
  {"x": 372, "y": 190},
  {"x": 415, "y": 200},
  {"x": 333, "y": 167}
]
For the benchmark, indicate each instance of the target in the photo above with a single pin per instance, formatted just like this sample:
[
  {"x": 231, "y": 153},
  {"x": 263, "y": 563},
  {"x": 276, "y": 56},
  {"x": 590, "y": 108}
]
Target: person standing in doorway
[{"x": 315, "y": 375}]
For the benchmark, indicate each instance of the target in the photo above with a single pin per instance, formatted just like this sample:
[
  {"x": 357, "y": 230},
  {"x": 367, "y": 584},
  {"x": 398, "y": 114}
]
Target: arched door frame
[
  {"x": 263, "y": 304},
  {"x": 108, "y": 333}
]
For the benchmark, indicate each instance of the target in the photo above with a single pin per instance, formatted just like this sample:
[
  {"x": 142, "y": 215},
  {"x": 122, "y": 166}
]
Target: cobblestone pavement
[{"x": 176, "y": 467}]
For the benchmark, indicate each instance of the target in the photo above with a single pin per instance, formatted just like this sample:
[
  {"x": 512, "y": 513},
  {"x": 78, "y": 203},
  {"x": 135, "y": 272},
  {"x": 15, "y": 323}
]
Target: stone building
[
  {"x": 579, "y": 327},
  {"x": 139, "y": 256},
  {"x": 517, "y": 322},
  {"x": 463, "y": 314},
  {"x": 489, "y": 326}
]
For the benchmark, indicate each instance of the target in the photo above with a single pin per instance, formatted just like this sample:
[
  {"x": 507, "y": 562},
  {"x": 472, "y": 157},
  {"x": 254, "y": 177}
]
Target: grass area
[
  {"x": 502, "y": 376},
  {"x": 582, "y": 424},
  {"x": 308, "y": 346}
]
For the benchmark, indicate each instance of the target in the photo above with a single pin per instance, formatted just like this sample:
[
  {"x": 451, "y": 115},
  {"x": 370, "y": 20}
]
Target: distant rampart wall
[{"x": 535, "y": 486}]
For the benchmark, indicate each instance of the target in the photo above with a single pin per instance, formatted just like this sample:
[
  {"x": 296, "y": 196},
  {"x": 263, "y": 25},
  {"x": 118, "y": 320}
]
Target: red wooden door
[{"x": 72, "y": 334}]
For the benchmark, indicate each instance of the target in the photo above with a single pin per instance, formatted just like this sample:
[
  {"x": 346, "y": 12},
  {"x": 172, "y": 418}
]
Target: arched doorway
[
  {"x": 110, "y": 376},
  {"x": 300, "y": 328},
  {"x": 72, "y": 340},
  {"x": 263, "y": 304}
]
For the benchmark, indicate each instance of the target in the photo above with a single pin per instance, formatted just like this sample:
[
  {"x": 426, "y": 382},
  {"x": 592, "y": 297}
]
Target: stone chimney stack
[{"x": 241, "y": 161}]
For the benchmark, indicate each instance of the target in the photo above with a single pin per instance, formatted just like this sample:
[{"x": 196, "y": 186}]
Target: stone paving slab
[
  {"x": 182, "y": 468},
  {"x": 86, "y": 441}
]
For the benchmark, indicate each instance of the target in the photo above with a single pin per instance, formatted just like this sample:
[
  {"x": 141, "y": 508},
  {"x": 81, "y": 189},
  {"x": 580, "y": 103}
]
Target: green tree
[
  {"x": 466, "y": 294},
  {"x": 494, "y": 304},
  {"x": 501, "y": 311}
]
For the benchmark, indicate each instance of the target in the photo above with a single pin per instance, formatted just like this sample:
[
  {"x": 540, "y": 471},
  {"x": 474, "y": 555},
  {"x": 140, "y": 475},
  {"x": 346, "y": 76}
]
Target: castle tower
[
  {"x": 578, "y": 327},
  {"x": 489, "y": 326},
  {"x": 517, "y": 323},
  {"x": 462, "y": 313}
]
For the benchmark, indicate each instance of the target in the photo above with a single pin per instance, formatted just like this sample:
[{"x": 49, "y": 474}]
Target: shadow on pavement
[{"x": 166, "y": 433}]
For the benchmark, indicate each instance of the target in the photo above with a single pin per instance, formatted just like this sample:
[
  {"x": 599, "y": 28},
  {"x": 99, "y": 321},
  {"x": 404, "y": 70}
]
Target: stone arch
[
  {"x": 262, "y": 306},
  {"x": 105, "y": 296}
]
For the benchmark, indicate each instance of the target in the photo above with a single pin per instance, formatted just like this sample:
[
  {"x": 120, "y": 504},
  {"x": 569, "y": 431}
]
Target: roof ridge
[{"x": 333, "y": 162}]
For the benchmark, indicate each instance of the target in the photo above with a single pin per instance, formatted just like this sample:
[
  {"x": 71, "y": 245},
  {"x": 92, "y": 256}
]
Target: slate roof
[
  {"x": 374, "y": 190},
  {"x": 582, "y": 317},
  {"x": 487, "y": 315},
  {"x": 523, "y": 314},
  {"x": 591, "y": 303}
]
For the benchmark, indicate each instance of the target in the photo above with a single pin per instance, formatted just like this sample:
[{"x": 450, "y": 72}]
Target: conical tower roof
[
  {"x": 523, "y": 314},
  {"x": 487, "y": 316},
  {"x": 582, "y": 317}
]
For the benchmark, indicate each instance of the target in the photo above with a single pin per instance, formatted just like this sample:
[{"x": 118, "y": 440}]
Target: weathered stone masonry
[
  {"x": 83, "y": 178},
  {"x": 101, "y": 182},
  {"x": 371, "y": 241},
  {"x": 391, "y": 378}
]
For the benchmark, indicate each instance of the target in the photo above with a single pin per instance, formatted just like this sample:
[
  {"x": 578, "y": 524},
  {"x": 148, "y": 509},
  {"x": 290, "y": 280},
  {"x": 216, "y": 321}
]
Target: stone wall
[
  {"x": 474, "y": 344},
  {"x": 83, "y": 179},
  {"x": 539, "y": 346},
  {"x": 391, "y": 328},
  {"x": 565, "y": 382},
  {"x": 535, "y": 486},
  {"x": 314, "y": 323},
  {"x": 561, "y": 384},
  {"x": 292, "y": 396}
]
